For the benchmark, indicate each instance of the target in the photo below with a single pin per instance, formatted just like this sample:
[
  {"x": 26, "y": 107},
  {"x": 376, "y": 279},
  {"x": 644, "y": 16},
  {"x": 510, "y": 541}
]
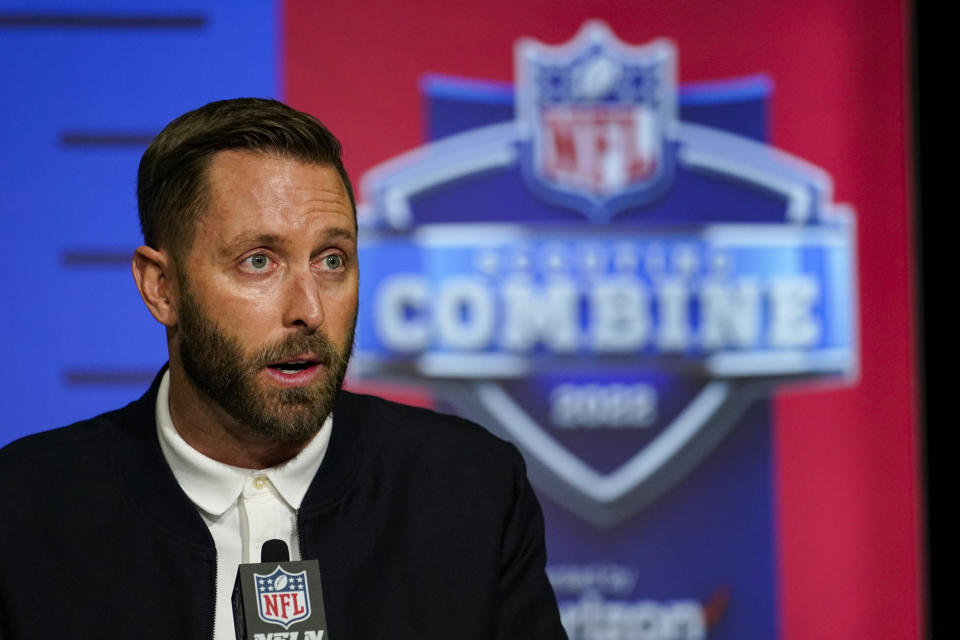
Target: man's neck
[{"x": 206, "y": 427}]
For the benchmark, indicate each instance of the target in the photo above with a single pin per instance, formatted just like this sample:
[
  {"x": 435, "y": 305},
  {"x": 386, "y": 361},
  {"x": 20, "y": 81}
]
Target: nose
[{"x": 303, "y": 308}]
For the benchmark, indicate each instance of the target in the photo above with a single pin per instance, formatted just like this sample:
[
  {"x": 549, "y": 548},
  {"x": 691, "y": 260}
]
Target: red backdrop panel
[{"x": 846, "y": 460}]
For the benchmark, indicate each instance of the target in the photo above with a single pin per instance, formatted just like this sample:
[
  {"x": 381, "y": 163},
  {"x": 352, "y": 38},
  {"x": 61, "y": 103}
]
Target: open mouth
[{"x": 293, "y": 366}]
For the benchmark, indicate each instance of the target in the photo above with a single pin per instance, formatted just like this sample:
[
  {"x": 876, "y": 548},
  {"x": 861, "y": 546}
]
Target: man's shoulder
[
  {"x": 85, "y": 439},
  {"x": 81, "y": 441},
  {"x": 435, "y": 461},
  {"x": 424, "y": 432}
]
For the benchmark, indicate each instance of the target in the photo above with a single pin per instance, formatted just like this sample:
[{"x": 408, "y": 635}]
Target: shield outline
[
  {"x": 273, "y": 575},
  {"x": 807, "y": 191},
  {"x": 594, "y": 33}
]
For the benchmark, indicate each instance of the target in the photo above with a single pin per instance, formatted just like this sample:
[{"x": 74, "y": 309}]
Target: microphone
[
  {"x": 277, "y": 594},
  {"x": 274, "y": 551}
]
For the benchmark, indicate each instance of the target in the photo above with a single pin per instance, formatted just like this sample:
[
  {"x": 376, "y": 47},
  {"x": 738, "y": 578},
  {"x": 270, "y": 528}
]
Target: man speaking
[{"x": 133, "y": 523}]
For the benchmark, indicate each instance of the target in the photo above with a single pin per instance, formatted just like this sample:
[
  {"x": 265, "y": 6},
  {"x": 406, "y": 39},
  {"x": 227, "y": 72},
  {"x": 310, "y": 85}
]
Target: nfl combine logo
[
  {"x": 610, "y": 279},
  {"x": 282, "y": 598}
]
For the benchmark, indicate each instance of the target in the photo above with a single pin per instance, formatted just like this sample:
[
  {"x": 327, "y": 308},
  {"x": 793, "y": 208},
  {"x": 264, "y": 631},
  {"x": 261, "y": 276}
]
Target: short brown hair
[{"x": 171, "y": 181}]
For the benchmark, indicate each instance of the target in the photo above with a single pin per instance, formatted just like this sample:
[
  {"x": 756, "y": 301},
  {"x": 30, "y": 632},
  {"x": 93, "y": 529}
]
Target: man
[{"x": 133, "y": 523}]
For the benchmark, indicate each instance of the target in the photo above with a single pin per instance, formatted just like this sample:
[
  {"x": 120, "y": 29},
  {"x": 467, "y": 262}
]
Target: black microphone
[
  {"x": 279, "y": 593},
  {"x": 274, "y": 551}
]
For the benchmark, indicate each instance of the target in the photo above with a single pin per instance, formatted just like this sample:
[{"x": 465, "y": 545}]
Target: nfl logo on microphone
[
  {"x": 282, "y": 598},
  {"x": 287, "y": 594}
]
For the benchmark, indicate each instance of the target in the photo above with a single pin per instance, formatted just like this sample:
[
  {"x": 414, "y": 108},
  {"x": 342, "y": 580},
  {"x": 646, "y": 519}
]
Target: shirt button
[{"x": 259, "y": 482}]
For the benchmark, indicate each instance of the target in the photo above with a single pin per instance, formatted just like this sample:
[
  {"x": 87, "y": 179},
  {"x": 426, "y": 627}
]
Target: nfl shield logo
[
  {"x": 597, "y": 116},
  {"x": 282, "y": 598}
]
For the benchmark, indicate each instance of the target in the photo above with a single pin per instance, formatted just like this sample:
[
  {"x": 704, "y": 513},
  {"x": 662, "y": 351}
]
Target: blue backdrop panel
[{"x": 85, "y": 86}]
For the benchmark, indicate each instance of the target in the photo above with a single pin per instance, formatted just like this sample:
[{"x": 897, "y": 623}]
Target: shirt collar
[{"x": 214, "y": 486}]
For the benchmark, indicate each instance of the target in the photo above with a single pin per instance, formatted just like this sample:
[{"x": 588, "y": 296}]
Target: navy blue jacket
[{"x": 424, "y": 526}]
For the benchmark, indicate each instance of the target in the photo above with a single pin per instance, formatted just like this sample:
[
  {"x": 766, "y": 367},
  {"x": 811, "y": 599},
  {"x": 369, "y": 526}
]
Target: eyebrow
[
  {"x": 273, "y": 239},
  {"x": 249, "y": 239},
  {"x": 340, "y": 232}
]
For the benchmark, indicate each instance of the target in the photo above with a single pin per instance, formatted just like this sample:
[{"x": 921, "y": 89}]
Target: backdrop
[{"x": 788, "y": 508}]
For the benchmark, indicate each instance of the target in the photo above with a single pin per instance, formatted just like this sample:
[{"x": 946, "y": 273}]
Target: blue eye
[
  {"x": 258, "y": 262},
  {"x": 333, "y": 262}
]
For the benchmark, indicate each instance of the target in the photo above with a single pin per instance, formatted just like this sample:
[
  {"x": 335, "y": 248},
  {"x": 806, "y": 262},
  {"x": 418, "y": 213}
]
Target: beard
[{"x": 215, "y": 363}]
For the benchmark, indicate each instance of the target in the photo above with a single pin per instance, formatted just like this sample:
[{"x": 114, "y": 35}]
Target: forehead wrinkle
[
  {"x": 328, "y": 201},
  {"x": 323, "y": 194}
]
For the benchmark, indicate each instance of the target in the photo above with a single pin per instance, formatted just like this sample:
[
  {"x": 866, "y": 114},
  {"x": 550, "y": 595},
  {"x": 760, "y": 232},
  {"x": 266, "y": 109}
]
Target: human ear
[{"x": 153, "y": 272}]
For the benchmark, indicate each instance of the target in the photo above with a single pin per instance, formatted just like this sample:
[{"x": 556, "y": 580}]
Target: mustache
[{"x": 296, "y": 345}]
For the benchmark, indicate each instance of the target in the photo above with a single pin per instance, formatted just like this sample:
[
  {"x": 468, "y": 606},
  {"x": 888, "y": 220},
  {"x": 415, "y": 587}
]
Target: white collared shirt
[{"x": 242, "y": 507}]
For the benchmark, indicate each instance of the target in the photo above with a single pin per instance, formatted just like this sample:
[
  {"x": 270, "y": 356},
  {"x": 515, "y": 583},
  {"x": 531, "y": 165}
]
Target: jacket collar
[
  {"x": 151, "y": 485},
  {"x": 147, "y": 478}
]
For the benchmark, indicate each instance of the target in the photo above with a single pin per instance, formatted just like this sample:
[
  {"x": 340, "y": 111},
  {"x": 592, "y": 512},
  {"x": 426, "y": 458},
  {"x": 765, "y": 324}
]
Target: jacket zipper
[
  {"x": 216, "y": 590},
  {"x": 300, "y": 535}
]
